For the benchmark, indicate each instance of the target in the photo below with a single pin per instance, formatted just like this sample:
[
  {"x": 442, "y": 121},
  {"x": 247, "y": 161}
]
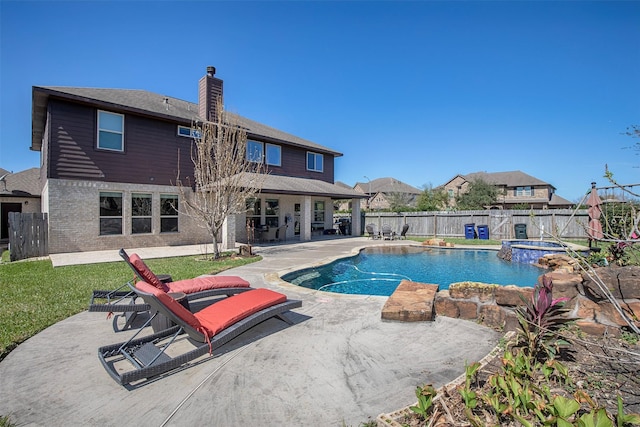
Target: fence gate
[{"x": 28, "y": 235}]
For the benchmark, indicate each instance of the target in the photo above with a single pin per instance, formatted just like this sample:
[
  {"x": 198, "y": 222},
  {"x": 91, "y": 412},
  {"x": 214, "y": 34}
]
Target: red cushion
[
  {"x": 190, "y": 286},
  {"x": 225, "y": 313},
  {"x": 173, "y": 305},
  {"x": 146, "y": 274}
]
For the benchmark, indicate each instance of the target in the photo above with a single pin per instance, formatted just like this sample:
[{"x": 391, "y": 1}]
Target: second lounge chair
[{"x": 210, "y": 328}]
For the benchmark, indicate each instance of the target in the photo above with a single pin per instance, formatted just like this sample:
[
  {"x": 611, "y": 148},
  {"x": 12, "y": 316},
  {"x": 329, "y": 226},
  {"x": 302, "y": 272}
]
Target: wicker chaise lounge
[
  {"x": 208, "y": 329},
  {"x": 124, "y": 300}
]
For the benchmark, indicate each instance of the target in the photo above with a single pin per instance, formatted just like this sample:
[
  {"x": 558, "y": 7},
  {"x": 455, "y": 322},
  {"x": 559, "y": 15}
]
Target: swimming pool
[{"x": 378, "y": 271}]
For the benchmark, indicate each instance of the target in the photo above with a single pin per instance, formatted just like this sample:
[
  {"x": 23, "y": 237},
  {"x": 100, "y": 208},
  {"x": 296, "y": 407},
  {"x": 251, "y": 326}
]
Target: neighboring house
[
  {"x": 383, "y": 193},
  {"x": 19, "y": 192},
  {"x": 110, "y": 159},
  {"x": 515, "y": 189}
]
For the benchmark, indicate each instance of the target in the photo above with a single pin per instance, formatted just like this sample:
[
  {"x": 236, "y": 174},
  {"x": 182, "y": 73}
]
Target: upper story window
[
  {"x": 450, "y": 192},
  {"x": 110, "y": 131},
  {"x": 254, "y": 151},
  {"x": 524, "y": 191},
  {"x": 188, "y": 132},
  {"x": 274, "y": 156},
  {"x": 258, "y": 152},
  {"x": 315, "y": 162}
]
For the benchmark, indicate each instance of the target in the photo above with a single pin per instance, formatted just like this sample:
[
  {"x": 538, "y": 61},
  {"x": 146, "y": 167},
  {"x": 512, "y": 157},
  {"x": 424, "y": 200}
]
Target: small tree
[
  {"x": 480, "y": 195},
  {"x": 433, "y": 199},
  {"x": 224, "y": 177},
  {"x": 399, "y": 202}
]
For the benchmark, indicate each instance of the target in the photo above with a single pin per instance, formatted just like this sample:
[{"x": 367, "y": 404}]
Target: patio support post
[
  {"x": 355, "y": 217},
  {"x": 305, "y": 219},
  {"x": 229, "y": 233}
]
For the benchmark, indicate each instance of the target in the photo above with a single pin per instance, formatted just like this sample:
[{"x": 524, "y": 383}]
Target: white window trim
[
  {"x": 316, "y": 155},
  {"x": 262, "y": 154},
  {"x": 111, "y": 131},
  {"x": 267, "y": 157},
  {"x": 193, "y": 133}
]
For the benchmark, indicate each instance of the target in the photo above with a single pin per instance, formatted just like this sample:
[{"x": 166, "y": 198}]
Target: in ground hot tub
[{"x": 529, "y": 251}]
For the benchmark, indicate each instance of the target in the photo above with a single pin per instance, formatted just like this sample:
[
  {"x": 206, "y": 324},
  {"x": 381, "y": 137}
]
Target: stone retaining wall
[{"x": 493, "y": 305}]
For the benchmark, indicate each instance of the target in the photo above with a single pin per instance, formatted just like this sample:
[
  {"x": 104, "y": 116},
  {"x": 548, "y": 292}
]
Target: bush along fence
[{"x": 501, "y": 224}]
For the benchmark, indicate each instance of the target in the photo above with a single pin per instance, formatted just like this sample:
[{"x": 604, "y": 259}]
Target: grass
[{"x": 34, "y": 295}]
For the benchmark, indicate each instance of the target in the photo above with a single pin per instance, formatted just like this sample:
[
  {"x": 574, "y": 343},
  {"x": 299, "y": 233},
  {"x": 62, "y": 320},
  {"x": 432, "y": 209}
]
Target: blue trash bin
[
  {"x": 483, "y": 232},
  {"x": 469, "y": 231}
]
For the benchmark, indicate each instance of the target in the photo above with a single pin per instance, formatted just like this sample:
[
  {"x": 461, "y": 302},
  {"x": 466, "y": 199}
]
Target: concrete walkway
[{"x": 339, "y": 365}]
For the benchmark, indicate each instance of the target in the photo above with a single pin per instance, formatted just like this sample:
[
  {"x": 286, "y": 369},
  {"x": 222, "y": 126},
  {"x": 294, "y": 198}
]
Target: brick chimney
[{"x": 209, "y": 89}]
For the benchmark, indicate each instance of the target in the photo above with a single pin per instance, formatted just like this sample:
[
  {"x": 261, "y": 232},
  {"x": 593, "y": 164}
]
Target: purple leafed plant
[{"x": 540, "y": 319}]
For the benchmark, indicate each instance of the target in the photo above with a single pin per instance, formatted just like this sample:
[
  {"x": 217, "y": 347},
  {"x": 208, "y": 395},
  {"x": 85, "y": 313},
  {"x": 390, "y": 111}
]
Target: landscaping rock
[{"x": 411, "y": 302}]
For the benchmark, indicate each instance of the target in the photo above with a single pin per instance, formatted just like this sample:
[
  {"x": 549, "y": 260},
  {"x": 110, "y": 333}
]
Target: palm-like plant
[{"x": 540, "y": 319}]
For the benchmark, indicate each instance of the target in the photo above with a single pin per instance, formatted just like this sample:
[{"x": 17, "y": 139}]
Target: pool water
[{"x": 378, "y": 271}]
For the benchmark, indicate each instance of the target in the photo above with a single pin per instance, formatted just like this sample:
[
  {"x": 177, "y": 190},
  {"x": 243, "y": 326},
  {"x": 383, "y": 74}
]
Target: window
[
  {"x": 110, "y": 213},
  {"x": 188, "y": 132},
  {"x": 271, "y": 212},
  {"x": 273, "y": 155},
  {"x": 254, "y": 151},
  {"x": 140, "y": 213},
  {"x": 318, "y": 211},
  {"x": 524, "y": 191},
  {"x": 314, "y": 162},
  {"x": 257, "y": 153},
  {"x": 450, "y": 192},
  {"x": 254, "y": 212},
  {"x": 110, "y": 131},
  {"x": 168, "y": 213}
]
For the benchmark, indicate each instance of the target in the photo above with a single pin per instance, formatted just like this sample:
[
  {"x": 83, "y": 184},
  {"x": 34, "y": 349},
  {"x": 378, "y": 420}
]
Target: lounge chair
[
  {"x": 208, "y": 329},
  {"x": 124, "y": 300},
  {"x": 371, "y": 231},
  {"x": 387, "y": 234}
]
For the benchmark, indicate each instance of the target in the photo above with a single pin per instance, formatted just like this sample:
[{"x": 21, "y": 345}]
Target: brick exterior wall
[{"x": 74, "y": 211}]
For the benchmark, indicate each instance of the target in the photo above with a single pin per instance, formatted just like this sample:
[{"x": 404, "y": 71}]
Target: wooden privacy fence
[
  {"x": 28, "y": 235},
  {"x": 562, "y": 223}
]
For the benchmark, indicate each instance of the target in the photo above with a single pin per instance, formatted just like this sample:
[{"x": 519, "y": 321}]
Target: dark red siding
[
  {"x": 153, "y": 153},
  {"x": 152, "y": 150}
]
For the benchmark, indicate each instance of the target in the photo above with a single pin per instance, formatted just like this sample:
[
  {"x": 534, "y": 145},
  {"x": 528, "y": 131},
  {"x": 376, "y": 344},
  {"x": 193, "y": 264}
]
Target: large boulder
[{"x": 622, "y": 282}]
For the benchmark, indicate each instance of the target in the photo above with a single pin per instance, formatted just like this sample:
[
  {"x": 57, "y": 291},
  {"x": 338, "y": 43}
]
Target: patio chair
[
  {"x": 123, "y": 300},
  {"x": 403, "y": 233},
  {"x": 387, "y": 234},
  {"x": 371, "y": 231},
  {"x": 281, "y": 234},
  {"x": 208, "y": 329}
]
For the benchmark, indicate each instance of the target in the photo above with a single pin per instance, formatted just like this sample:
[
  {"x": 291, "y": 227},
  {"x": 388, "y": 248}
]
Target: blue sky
[{"x": 415, "y": 90}]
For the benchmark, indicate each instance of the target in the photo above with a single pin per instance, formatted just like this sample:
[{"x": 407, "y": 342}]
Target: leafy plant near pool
[
  {"x": 425, "y": 397},
  {"x": 540, "y": 320},
  {"x": 532, "y": 387}
]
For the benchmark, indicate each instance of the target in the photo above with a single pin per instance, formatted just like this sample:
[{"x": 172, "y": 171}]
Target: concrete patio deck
[{"x": 339, "y": 365}]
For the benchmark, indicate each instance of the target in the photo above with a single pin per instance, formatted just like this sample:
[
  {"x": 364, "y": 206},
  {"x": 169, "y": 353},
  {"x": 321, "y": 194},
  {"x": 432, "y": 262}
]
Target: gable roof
[
  {"x": 280, "y": 184},
  {"x": 25, "y": 183},
  {"x": 149, "y": 104},
  {"x": 507, "y": 179},
  {"x": 388, "y": 185}
]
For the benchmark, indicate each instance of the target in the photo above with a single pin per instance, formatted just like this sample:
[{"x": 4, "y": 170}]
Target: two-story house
[
  {"x": 110, "y": 159},
  {"x": 383, "y": 193},
  {"x": 19, "y": 192},
  {"x": 515, "y": 189}
]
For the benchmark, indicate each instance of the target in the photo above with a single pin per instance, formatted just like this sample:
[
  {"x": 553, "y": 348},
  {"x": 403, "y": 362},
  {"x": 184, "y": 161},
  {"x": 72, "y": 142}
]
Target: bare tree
[{"x": 224, "y": 176}]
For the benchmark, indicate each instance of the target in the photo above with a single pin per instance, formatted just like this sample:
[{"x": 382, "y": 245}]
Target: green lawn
[{"x": 34, "y": 295}]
